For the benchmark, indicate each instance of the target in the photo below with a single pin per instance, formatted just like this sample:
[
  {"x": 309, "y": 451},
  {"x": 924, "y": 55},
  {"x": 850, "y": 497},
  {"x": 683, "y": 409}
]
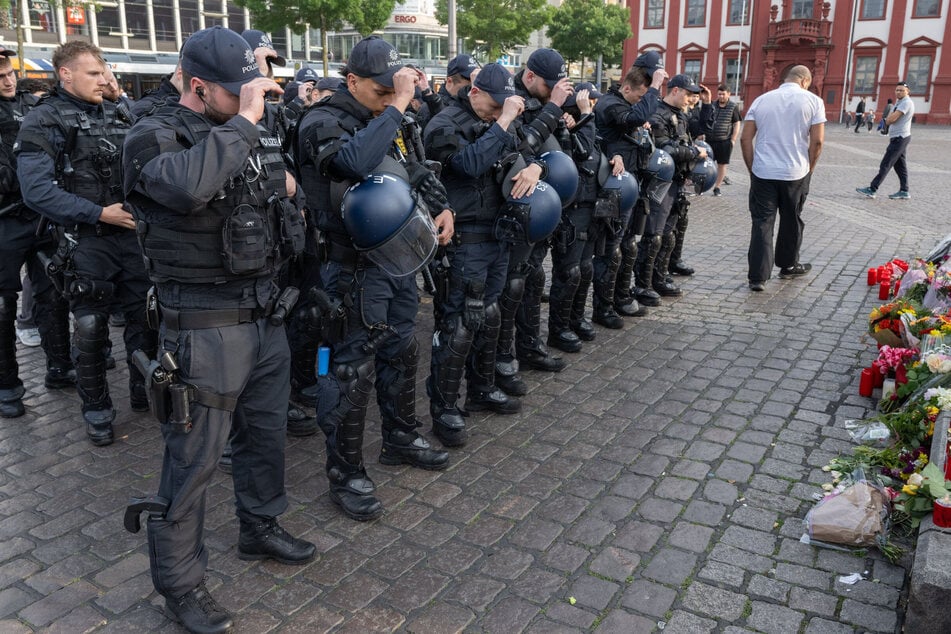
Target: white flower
[
  {"x": 827, "y": 468},
  {"x": 836, "y": 475},
  {"x": 915, "y": 479},
  {"x": 827, "y": 487}
]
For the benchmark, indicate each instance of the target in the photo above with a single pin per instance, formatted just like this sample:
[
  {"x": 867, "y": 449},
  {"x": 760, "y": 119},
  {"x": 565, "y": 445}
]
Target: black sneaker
[
  {"x": 757, "y": 286},
  {"x": 493, "y": 400},
  {"x": 794, "y": 271},
  {"x": 408, "y": 447},
  {"x": 717, "y": 192},
  {"x": 10, "y": 404},
  {"x": 198, "y": 612},
  {"x": 60, "y": 378}
]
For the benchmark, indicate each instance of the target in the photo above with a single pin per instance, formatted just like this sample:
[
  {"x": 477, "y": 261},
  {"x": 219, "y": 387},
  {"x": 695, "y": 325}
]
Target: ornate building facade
[{"x": 855, "y": 48}]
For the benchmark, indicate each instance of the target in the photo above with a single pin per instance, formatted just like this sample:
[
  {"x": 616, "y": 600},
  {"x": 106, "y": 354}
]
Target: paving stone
[
  {"x": 774, "y": 619},
  {"x": 658, "y": 510},
  {"x": 704, "y": 512},
  {"x": 441, "y": 617},
  {"x": 723, "y": 574},
  {"x": 766, "y": 588},
  {"x": 864, "y": 591},
  {"x": 475, "y": 592},
  {"x": 57, "y": 604},
  {"x": 690, "y": 537},
  {"x": 621, "y": 622},
  {"x": 592, "y": 592},
  {"x": 812, "y": 601},
  {"x": 720, "y": 491},
  {"x": 571, "y": 615},
  {"x": 825, "y": 626},
  {"x": 510, "y": 614},
  {"x": 803, "y": 576},
  {"x": 676, "y": 488},
  {"x": 670, "y": 566},
  {"x": 589, "y": 532},
  {"x": 566, "y": 557},
  {"x": 740, "y": 558},
  {"x": 638, "y": 536},
  {"x": 711, "y": 601},
  {"x": 615, "y": 563},
  {"x": 506, "y": 563},
  {"x": 760, "y": 519},
  {"x": 686, "y": 623},
  {"x": 539, "y": 586}
]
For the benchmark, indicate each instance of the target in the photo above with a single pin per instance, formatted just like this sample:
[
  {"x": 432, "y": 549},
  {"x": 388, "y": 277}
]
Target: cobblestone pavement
[{"x": 658, "y": 482}]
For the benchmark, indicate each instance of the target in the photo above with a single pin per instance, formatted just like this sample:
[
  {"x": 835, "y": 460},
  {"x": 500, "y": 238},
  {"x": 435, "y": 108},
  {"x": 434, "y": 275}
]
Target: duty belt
[
  {"x": 473, "y": 234},
  {"x": 99, "y": 229},
  {"x": 201, "y": 319},
  {"x": 347, "y": 256}
]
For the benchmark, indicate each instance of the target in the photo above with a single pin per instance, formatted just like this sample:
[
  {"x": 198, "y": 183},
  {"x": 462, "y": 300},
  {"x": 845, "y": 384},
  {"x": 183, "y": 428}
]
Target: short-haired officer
[
  {"x": 210, "y": 193},
  {"x": 470, "y": 139},
  {"x": 619, "y": 116},
  {"x": 69, "y": 166},
  {"x": 21, "y": 245},
  {"x": 361, "y": 130},
  {"x": 670, "y": 131}
]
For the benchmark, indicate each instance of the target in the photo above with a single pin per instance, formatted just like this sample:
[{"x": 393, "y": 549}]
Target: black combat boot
[
  {"x": 265, "y": 539},
  {"x": 403, "y": 446},
  {"x": 352, "y": 489},
  {"x": 644, "y": 271},
  {"x": 602, "y": 312},
  {"x": 677, "y": 265},
  {"x": 625, "y": 303},
  {"x": 300, "y": 424},
  {"x": 661, "y": 283},
  {"x": 564, "y": 286},
  {"x": 579, "y": 324},
  {"x": 89, "y": 358},
  {"x": 11, "y": 388},
  {"x": 53, "y": 324},
  {"x": 198, "y": 612},
  {"x": 447, "y": 364},
  {"x": 507, "y": 377}
]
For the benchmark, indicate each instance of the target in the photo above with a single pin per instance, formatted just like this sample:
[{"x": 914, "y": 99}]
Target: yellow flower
[{"x": 909, "y": 489}]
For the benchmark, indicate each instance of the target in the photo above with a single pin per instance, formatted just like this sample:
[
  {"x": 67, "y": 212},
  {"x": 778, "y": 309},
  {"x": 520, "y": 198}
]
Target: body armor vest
[
  {"x": 723, "y": 125},
  {"x": 89, "y": 162},
  {"x": 247, "y": 231},
  {"x": 475, "y": 200},
  {"x": 11, "y": 115}
]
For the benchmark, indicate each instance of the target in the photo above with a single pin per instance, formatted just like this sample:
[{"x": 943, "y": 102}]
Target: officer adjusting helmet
[
  {"x": 660, "y": 173},
  {"x": 389, "y": 223},
  {"x": 627, "y": 186},
  {"x": 704, "y": 175},
  {"x": 531, "y": 218},
  {"x": 706, "y": 146},
  {"x": 562, "y": 175}
]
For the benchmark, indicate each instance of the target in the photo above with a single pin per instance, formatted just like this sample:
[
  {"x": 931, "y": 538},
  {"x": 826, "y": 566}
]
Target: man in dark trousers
[
  {"x": 69, "y": 166},
  {"x": 22, "y": 245},
  {"x": 859, "y": 114},
  {"x": 208, "y": 187},
  {"x": 725, "y": 133},
  {"x": 362, "y": 128}
]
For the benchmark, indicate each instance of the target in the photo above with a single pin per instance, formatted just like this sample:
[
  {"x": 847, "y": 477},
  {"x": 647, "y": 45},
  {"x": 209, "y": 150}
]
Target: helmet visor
[{"x": 410, "y": 248}]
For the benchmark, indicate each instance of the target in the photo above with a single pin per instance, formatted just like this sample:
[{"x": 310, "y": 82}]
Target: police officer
[
  {"x": 69, "y": 168},
  {"x": 170, "y": 89},
  {"x": 471, "y": 138},
  {"x": 458, "y": 76},
  {"x": 326, "y": 86},
  {"x": 208, "y": 187},
  {"x": 669, "y": 129},
  {"x": 18, "y": 235},
  {"x": 359, "y": 129},
  {"x": 544, "y": 86},
  {"x": 618, "y": 116}
]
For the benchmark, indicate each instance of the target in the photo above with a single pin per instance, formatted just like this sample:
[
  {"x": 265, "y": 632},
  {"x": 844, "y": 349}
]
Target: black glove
[
  {"x": 430, "y": 189},
  {"x": 473, "y": 313}
]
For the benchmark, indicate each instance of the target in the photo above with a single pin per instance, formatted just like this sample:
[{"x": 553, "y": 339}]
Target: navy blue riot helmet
[
  {"x": 531, "y": 218},
  {"x": 659, "y": 174},
  {"x": 562, "y": 175},
  {"x": 704, "y": 175},
  {"x": 628, "y": 188},
  {"x": 389, "y": 223},
  {"x": 707, "y": 147}
]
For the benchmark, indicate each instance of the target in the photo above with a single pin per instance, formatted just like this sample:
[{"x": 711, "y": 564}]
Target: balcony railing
[{"x": 792, "y": 31}]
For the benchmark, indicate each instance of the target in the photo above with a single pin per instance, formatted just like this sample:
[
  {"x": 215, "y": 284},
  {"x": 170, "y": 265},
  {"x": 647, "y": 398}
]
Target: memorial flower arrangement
[{"x": 885, "y": 322}]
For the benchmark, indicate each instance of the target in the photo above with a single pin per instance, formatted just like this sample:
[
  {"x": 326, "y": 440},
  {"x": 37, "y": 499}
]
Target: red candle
[
  {"x": 865, "y": 383},
  {"x": 947, "y": 466},
  {"x": 872, "y": 277},
  {"x": 897, "y": 286},
  {"x": 883, "y": 288},
  {"x": 882, "y": 275},
  {"x": 942, "y": 512},
  {"x": 878, "y": 377}
]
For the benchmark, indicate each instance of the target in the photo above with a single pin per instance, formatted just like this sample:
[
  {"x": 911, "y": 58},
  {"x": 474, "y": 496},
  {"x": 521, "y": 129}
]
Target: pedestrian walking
[
  {"x": 859, "y": 114},
  {"x": 899, "y": 137},
  {"x": 725, "y": 132},
  {"x": 781, "y": 141}
]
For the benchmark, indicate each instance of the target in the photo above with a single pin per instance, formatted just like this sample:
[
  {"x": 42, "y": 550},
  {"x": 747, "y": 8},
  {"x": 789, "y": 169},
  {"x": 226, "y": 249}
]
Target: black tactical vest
[
  {"x": 11, "y": 115},
  {"x": 247, "y": 231}
]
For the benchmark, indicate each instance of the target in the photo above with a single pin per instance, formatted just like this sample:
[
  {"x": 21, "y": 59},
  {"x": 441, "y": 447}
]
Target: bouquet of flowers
[
  {"x": 885, "y": 322},
  {"x": 917, "y": 280},
  {"x": 938, "y": 296}
]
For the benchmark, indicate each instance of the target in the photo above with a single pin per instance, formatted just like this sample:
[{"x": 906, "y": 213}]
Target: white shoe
[{"x": 29, "y": 336}]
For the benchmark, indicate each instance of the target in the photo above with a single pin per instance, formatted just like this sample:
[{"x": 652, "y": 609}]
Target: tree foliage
[
  {"x": 585, "y": 29},
  {"x": 492, "y": 27}
]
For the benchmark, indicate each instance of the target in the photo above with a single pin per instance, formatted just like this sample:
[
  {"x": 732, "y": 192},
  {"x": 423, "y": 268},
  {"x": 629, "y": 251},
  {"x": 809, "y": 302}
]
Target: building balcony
[{"x": 799, "y": 30}]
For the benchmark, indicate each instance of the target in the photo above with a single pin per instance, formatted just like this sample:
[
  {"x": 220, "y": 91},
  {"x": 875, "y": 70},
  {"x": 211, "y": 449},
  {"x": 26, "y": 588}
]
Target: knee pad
[{"x": 91, "y": 333}]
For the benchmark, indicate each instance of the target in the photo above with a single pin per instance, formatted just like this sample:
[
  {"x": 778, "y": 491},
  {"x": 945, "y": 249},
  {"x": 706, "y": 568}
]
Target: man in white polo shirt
[
  {"x": 781, "y": 141},
  {"x": 899, "y": 136}
]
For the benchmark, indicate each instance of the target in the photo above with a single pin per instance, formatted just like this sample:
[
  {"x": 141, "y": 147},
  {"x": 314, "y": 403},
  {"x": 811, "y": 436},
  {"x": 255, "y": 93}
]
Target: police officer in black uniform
[
  {"x": 359, "y": 129},
  {"x": 18, "y": 235},
  {"x": 211, "y": 197},
  {"x": 670, "y": 131},
  {"x": 544, "y": 86},
  {"x": 618, "y": 116},
  {"x": 69, "y": 168},
  {"x": 458, "y": 76},
  {"x": 471, "y": 139},
  {"x": 170, "y": 89}
]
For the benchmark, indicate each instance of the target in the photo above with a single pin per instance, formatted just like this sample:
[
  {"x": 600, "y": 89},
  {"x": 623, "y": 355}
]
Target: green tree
[
  {"x": 492, "y": 27},
  {"x": 585, "y": 29},
  {"x": 366, "y": 16}
]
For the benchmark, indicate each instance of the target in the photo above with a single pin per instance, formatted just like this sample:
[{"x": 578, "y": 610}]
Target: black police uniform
[
  {"x": 215, "y": 226},
  {"x": 154, "y": 99},
  {"x": 24, "y": 244},
  {"x": 617, "y": 122},
  {"x": 572, "y": 246},
  {"x": 471, "y": 152},
  {"x": 671, "y": 133},
  {"x": 69, "y": 168},
  {"x": 520, "y": 302},
  {"x": 340, "y": 143}
]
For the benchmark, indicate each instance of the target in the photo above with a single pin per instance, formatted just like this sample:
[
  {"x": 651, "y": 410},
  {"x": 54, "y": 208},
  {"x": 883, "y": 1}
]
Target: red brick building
[{"x": 855, "y": 48}]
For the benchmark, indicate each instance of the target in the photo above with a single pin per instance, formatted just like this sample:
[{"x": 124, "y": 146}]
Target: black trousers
[
  {"x": 249, "y": 362},
  {"x": 766, "y": 198},
  {"x": 894, "y": 158}
]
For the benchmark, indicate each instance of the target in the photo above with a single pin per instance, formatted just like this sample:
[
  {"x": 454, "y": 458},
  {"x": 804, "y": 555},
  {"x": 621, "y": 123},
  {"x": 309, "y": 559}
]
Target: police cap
[
  {"x": 220, "y": 56},
  {"x": 497, "y": 81},
  {"x": 548, "y": 64},
  {"x": 375, "y": 59},
  {"x": 259, "y": 39}
]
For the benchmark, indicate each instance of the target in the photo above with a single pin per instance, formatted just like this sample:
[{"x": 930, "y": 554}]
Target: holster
[
  {"x": 159, "y": 380},
  {"x": 564, "y": 235},
  {"x": 608, "y": 204}
]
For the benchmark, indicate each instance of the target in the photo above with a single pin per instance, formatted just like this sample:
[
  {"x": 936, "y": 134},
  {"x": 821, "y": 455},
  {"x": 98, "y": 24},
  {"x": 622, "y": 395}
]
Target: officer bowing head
[
  {"x": 492, "y": 89},
  {"x": 546, "y": 76},
  {"x": 377, "y": 78},
  {"x": 81, "y": 70},
  {"x": 264, "y": 52},
  {"x": 221, "y": 77}
]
